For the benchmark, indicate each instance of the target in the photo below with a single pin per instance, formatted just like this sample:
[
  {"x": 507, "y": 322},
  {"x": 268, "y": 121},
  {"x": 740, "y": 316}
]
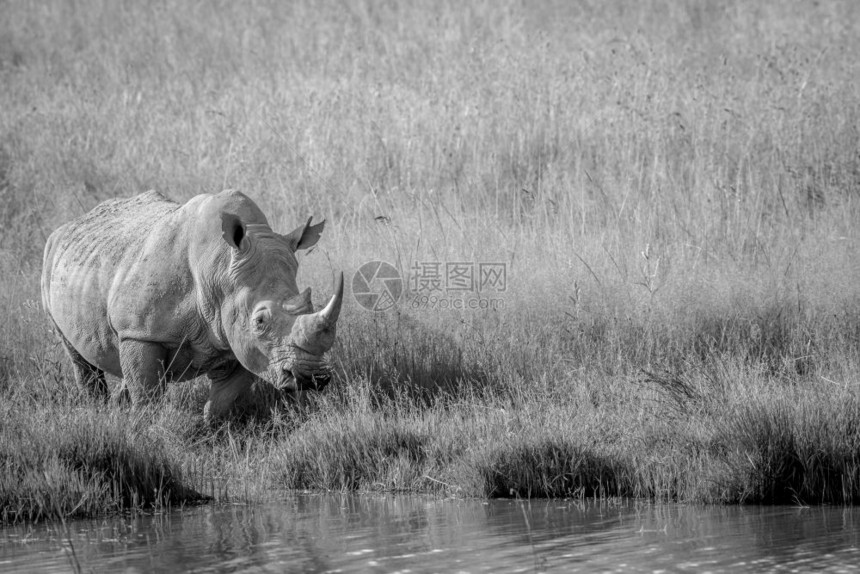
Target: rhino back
[
  {"x": 112, "y": 229},
  {"x": 89, "y": 257}
]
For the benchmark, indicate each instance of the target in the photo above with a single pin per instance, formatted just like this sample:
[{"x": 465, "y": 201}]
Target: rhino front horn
[
  {"x": 331, "y": 312},
  {"x": 315, "y": 332}
]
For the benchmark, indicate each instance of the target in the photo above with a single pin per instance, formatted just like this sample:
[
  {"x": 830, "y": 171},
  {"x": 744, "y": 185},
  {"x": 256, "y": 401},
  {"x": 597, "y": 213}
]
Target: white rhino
[{"x": 153, "y": 291}]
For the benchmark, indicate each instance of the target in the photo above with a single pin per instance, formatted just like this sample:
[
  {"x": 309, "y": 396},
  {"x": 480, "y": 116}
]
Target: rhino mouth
[{"x": 316, "y": 381}]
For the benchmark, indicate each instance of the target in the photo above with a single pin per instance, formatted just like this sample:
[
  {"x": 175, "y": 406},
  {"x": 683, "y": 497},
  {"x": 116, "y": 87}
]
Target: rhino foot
[{"x": 89, "y": 378}]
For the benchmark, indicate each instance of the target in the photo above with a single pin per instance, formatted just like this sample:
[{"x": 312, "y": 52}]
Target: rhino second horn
[
  {"x": 331, "y": 312},
  {"x": 300, "y": 303}
]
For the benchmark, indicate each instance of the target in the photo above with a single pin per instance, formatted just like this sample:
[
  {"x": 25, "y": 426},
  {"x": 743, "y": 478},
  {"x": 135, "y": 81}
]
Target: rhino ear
[
  {"x": 305, "y": 236},
  {"x": 232, "y": 230}
]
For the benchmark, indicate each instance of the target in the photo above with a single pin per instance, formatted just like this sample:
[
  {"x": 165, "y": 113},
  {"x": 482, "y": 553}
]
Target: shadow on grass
[{"x": 403, "y": 355}]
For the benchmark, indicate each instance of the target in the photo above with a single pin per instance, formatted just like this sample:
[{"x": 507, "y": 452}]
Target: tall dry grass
[{"x": 673, "y": 187}]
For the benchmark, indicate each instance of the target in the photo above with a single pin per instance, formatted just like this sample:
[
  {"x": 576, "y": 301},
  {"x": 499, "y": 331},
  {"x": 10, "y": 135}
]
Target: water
[{"x": 333, "y": 533}]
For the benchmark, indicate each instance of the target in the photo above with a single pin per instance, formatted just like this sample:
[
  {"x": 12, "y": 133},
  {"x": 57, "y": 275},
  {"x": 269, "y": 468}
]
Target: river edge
[{"x": 750, "y": 444}]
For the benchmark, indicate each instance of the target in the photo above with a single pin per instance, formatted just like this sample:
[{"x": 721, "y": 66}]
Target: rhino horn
[
  {"x": 315, "y": 332},
  {"x": 301, "y": 303},
  {"x": 331, "y": 311}
]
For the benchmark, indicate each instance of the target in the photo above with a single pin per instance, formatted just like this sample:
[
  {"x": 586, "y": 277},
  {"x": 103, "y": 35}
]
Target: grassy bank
[{"x": 671, "y": 187}]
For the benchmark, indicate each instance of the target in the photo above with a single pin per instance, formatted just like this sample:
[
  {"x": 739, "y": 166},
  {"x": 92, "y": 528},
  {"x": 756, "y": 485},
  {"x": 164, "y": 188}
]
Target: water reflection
[{"x": 316, "y": 533}]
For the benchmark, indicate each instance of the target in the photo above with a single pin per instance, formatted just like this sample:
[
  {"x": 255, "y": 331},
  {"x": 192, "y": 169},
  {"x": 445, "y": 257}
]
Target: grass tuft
[
  {"x": 83, "y": 464},
  {"x": 549, "y": 469}
]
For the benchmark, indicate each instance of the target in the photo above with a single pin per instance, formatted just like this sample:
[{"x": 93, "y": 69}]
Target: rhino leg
[
  {"x": 90, "y": 378},
  {"x": 224, "y": 388},
  {"x": 142, "y": 365}
]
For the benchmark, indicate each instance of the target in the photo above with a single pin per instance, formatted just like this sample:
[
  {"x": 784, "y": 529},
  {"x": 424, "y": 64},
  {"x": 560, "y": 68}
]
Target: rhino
[{"x": 154, "y": 291}]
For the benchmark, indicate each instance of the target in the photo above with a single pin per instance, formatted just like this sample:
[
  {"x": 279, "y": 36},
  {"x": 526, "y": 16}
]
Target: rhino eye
[{"x": 260, "y": 321}]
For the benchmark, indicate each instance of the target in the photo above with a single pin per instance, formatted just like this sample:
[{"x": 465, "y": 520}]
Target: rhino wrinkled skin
[{"x": 153, "y": 291}]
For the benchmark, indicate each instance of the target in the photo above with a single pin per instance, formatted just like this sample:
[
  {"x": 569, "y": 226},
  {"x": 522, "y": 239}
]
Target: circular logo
[{"x": 377, "y": 286}]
